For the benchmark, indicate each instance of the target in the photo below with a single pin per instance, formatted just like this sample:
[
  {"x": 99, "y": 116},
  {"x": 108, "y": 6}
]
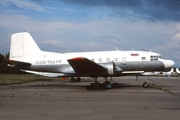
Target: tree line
[{"x": 4, "y": 69}]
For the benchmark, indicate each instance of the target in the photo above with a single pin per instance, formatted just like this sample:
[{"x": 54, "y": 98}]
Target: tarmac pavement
[{"x": 64, "y": 100}]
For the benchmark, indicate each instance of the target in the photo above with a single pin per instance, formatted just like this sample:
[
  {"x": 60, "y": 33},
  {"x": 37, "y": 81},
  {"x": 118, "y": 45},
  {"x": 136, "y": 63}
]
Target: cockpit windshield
[
  {"x": 160, "y": 57},
  {"x": 155, "y": 57}
]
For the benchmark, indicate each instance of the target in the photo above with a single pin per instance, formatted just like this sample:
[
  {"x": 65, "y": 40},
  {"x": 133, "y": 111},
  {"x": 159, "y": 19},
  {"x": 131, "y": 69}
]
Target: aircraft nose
[{"x": 168, "y": 63}]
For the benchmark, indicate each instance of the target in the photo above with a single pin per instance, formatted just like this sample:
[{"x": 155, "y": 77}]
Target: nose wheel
[{"x": 145, "y": 85}]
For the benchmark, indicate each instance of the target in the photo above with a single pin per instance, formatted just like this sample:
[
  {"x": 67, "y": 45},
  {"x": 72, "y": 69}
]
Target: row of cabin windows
[
  {"x": 115, "y": 59},
  {"x": 107, "y": 59},
  {"x": 124, "y": 59}
]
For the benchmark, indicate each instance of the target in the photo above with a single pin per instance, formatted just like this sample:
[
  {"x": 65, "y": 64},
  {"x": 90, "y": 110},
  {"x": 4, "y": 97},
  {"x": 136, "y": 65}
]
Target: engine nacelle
[{"x": 112, "y": 69}]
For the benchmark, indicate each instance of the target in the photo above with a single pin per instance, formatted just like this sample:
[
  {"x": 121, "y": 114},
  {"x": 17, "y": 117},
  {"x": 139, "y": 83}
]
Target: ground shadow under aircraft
[{"x": 77, "y": 86}]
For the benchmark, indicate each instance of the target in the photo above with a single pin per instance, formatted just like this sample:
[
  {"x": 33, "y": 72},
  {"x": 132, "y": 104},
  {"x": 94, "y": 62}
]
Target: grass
[
  {"x": 6, "y": 79},
  {"x": 162, "y": 88}
]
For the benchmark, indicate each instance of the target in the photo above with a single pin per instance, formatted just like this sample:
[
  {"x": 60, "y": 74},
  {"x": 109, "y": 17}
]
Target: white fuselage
[{"x": 98, "y": 57}]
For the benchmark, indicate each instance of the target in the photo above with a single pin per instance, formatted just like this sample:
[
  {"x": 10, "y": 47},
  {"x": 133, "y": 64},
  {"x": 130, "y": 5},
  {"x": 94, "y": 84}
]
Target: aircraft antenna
[
  {"x": 116, "y": 48},
  {"x": 133, "y": 49}
]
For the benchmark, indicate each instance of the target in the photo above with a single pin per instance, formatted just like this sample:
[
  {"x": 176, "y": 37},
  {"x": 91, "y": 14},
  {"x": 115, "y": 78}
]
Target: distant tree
[
  {"x": 1, "y": 58},
  {"x": 1, "y": 63},
  {"x": 7, "y": 55},
  {"x": 4, "y": 68}
]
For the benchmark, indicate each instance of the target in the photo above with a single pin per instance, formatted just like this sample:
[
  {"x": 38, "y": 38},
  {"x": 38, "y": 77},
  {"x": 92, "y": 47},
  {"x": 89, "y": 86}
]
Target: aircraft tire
[
  {"x": 111, "y": 80},
  {"x": 72, "y": 79},
  {"x": 96, "y": 85},
  {"x": 145, "y": 85},
  {"x": 78, "y": 79}
]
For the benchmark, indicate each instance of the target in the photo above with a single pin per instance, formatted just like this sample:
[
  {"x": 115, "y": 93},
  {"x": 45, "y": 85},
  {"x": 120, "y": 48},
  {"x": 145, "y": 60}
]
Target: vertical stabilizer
[{"x": 23, "y": 45}]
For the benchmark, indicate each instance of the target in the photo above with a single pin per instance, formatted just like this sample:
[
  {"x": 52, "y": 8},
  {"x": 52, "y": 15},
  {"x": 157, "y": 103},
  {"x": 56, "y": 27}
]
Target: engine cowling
[{"x": 112, "y": 69}]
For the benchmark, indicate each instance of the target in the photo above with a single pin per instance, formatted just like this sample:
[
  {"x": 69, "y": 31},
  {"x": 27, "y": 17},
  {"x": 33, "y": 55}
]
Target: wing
[{"x": 83, "y": 65}]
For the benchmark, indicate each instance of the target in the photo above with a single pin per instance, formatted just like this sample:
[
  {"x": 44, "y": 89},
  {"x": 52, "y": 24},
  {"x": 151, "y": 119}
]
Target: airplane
[
  {"x": 151, "y": 73},
  {"x": 168, "y": 73},
  {"x": 177, "y": 71},
  {"x": 164, "y": 73},
  {"x": 26, "y": 55}
]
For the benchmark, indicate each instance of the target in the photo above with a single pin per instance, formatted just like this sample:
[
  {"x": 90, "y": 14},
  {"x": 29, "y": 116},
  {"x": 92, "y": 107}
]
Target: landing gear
[
  {"x": 78, "y": 79},
  {"x": 96, "y": 85},
  {"x": 145, "y": 85},
  {"x": 106, "y": 84},
  {"x": 72, "y": 79},
  {"x": 111, "y": 80}
]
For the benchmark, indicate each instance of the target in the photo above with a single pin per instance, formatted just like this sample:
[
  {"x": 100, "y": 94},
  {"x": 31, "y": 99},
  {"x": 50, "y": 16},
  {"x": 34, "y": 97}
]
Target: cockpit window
[
  {"x": 154, "y": 58},
  {"x": 159, "y": 57}
]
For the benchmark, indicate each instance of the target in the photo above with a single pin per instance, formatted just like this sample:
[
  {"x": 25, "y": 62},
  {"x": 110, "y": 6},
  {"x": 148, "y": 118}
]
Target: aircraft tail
[{"x": 23, "y": 45}]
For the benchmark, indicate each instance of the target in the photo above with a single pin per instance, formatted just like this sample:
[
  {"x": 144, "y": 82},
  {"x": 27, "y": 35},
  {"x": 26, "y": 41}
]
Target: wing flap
[{"x": 83, "y": 65}]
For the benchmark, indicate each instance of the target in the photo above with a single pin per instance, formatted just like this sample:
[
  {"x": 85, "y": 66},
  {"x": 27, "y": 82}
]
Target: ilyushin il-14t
[{"x": 25, "y": 54}]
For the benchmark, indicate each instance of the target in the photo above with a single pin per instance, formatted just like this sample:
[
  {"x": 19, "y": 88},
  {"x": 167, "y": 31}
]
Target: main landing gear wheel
[
  {"x": 78, "y": 79},
  {"x": 72, "y": 79},
  {"x": 145, "y": 85},
  {"x": 96, "y": 85},
  {"x": 111, "y": 80}
]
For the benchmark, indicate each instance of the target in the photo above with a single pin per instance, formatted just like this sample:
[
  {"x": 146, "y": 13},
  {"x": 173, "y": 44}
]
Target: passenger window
[
  {"x": 151, "y": 58},
  {"x": 115, "y": 59},
  {"x": 100, "y": 59},
  {"x": 107, "y": 59},
  {"x": 92, "y": 59},
  {"x": 143, "y": 58}
]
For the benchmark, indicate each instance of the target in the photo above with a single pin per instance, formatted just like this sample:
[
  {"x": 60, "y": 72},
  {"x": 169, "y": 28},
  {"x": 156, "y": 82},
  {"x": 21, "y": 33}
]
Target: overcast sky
[{"x": 91, "y": 25}]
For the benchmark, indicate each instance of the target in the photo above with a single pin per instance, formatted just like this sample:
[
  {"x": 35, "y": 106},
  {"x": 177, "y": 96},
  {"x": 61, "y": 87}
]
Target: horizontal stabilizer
[
  {"x": 14, "y": 63},
  {"x": 46, "y": 74}
]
